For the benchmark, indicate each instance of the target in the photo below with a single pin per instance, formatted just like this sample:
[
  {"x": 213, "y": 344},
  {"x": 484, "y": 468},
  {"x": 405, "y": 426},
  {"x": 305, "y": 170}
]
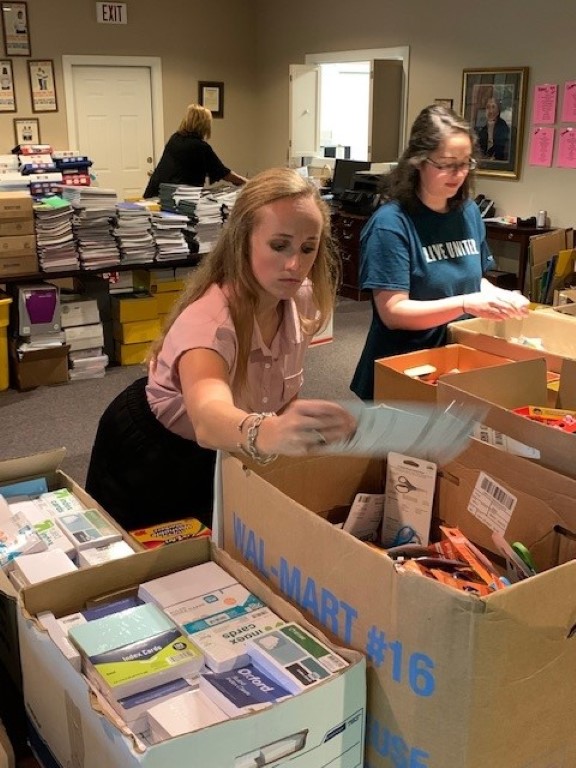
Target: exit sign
[{"x": 111, "y": 13}]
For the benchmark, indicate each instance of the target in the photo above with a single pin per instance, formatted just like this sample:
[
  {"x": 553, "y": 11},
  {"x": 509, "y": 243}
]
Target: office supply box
[
  {"x": 453, "y": 679},
  {"x": 393, "y": 381},
  {"x": 320, "y": 727}
]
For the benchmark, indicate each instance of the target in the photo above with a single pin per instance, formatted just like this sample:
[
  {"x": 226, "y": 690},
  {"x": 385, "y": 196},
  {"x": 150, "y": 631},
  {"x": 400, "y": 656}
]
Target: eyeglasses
[{"x": 468, "y": 165}]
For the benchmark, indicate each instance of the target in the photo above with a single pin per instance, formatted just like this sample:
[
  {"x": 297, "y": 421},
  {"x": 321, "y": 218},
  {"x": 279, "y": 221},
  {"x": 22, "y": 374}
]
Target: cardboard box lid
[
  {"x": 36, "y": 355},
  {"x": 26, "y": 467}
]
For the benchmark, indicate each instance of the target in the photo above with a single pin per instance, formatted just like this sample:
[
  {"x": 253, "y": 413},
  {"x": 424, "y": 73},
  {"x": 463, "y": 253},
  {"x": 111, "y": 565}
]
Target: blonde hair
[
  {"x": 228, "y": 264},
  {"x": 197, "y": 120}
]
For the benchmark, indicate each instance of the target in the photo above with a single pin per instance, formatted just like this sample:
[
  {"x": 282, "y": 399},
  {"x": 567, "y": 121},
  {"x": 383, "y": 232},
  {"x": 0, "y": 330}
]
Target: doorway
[
  {"x": 115, "y": 117},
  {"x": 373, "y": 116}
]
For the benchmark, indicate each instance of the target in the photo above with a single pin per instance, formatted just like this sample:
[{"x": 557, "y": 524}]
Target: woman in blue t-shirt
[{"x": 424, "y": 252}]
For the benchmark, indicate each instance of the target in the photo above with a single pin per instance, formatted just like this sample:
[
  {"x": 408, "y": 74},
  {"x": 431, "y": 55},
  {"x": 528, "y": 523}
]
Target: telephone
[{"x": 486, "y": 206}]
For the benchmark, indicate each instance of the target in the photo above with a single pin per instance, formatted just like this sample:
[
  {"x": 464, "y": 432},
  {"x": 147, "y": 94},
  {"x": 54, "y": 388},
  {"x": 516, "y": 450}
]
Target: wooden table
[{"x": 512, "y": 233}]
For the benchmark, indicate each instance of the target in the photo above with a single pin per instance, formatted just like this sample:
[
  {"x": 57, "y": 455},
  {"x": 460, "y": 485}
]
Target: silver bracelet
[{"x": 251, "y": 449}]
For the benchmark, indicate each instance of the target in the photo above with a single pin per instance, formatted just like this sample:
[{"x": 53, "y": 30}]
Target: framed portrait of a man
[{"x": 494, "y": 103}]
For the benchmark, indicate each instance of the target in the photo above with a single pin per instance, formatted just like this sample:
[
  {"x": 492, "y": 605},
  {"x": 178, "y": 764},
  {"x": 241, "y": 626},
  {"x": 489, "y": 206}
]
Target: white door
[
  {"x": 114, "y": 126},
  {"x": 304, "y": 111}
]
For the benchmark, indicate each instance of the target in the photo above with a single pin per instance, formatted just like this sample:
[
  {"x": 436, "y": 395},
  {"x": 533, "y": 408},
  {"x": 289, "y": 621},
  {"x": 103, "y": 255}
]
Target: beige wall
[
  {"x": 195, "y": 39},
  {"x": 444, "y": 36},
  {"x": 248, "y": 44}
]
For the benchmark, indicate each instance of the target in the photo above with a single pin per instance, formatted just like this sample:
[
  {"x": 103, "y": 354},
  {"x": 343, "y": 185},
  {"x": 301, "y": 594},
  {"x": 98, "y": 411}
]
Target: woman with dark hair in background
[
  {"x": 424, "y": 252},
  {"x": 188, "y": 158}
]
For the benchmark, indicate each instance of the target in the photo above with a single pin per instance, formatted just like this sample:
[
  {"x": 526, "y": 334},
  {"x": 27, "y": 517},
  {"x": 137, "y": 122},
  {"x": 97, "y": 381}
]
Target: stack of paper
[
  {"x": 55, "y": 242},
  {"x": 168, "y": 233},
  {"x": 133, "y": 234}
]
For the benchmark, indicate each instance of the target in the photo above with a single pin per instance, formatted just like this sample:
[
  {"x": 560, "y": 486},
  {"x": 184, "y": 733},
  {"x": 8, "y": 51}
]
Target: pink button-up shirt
[{"x": 275, "y": 373}]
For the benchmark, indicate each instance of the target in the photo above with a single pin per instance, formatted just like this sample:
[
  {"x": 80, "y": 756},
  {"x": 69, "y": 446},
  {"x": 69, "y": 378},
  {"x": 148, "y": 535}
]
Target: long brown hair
[
  {"x": 228, "y": 264},
  {"x": 433, "y": 125}
]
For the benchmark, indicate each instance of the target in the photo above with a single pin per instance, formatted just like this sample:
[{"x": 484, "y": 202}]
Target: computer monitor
[{"x": 344, "y": 171}]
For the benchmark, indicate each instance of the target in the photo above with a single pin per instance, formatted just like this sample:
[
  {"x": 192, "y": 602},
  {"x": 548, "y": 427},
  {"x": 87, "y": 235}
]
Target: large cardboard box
[
  {"x": 392, "y": 383},
  {"x": 328, "y": 718},
  {"x": 517, "y": 385},
  {"x": 28, "y": 468},
  {"x": 453, "y": 680},
  {"x": 132, "y": 307},
  {"x": 17, "y": 245},
  {"x": 11, "y": 265},
  {"x": 15, "y": 205},
  {"x": 38, "y": 367},
  {"x": 557, "y": 333},
  {"x": 137, "y": 332}
]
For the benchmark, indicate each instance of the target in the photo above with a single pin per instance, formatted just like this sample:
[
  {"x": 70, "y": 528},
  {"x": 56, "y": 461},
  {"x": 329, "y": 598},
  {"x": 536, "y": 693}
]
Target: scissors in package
[
  {"x": 405, "y": 486},
  {"x": 405, "y": 535}
]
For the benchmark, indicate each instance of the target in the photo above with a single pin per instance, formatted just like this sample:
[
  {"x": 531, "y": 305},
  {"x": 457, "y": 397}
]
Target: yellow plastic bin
[{"x": 5, "y": 302}]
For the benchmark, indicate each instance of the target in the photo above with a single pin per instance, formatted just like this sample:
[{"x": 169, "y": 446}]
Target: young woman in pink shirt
[{"x": 228, "y": 368}]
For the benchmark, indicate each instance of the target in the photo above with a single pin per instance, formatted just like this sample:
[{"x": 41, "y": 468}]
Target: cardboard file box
[
  {"x": 453, "y": 680},
  {"x": 513, "y": 386},
  {"x": 328, "y": 719},
  {"x": 557, "y": 332},
  {"x": 11, "y": 265},
  {"x": 15, "y": 205},
  {"x": 78, "y": 312},
  {"x": 17, "y": 245},
  {"x": 131, "y": 354},
  {"x": 133, "y": 307},
  {"x": 392, "y": 383},
  {"x": 137, "y": 332},
  {"x": 5, "y": 302},
  {"x": 38, "y": 367},
  {"x": 166, "y": 300}
]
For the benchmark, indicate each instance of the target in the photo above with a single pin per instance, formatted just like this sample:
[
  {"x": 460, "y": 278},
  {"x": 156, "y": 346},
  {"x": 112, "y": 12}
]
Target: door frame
[
  {"x": 153, "y": 63},
  {"x": 401, "y": 52}
]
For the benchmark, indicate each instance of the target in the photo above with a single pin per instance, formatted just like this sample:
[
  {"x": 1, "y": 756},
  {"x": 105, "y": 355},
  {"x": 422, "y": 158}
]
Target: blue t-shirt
[{"x": 429, "y": 255}]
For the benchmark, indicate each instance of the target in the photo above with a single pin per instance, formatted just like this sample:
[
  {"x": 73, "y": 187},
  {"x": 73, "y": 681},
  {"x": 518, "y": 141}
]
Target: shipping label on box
[{"x": 453, "y": 680}]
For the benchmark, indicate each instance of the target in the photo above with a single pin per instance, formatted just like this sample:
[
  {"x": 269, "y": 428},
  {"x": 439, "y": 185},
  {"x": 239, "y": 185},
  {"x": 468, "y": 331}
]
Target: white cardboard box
[
  {"x": 329, "y": 718},
  {"x": 26, "y": 468},
  {"x": 79, "y": 312},
  {"x": 454, "y": 681},
  {"x": 557, "y": 332}
]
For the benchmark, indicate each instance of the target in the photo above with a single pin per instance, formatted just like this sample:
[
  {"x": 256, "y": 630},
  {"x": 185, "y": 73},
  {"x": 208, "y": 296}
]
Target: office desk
[{"x": 512, "y": 233}]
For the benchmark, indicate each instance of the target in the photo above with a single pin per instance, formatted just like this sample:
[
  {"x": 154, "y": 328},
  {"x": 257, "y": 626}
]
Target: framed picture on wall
[
  {"x": 26, "y": 130},
  {"x": 211, "y": 96},
  {"x": 42, "y": 86},
  {"x": 494, "y": 103},
  {"x": 7, "y": 94},
  {"x": 448, "y": 103},
  {"x": 15, "y": 30}
]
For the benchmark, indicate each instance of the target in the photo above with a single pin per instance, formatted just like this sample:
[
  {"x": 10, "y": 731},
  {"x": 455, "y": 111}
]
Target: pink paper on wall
[
  {"x": 541, "y": 146},
  {"x": 566, "y": 148},
  {"x": 545, "y": 99},
  {"x": 569, "y": 102}
]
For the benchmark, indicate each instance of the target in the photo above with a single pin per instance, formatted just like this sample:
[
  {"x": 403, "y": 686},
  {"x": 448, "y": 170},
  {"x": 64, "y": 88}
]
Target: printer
[{"x": 38, "y": 307}]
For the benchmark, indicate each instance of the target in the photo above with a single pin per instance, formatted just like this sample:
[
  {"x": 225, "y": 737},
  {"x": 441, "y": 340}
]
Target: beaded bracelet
[{"x": 251, "y": 449}]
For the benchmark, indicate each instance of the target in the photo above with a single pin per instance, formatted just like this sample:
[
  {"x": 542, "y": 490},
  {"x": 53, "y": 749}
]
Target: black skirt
[{"x": 143, "y": 474}]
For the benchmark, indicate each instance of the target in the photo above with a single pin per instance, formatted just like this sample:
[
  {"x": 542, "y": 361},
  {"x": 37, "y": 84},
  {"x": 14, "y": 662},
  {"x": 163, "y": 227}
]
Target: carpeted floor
[{"x": 67, "y": 415}]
